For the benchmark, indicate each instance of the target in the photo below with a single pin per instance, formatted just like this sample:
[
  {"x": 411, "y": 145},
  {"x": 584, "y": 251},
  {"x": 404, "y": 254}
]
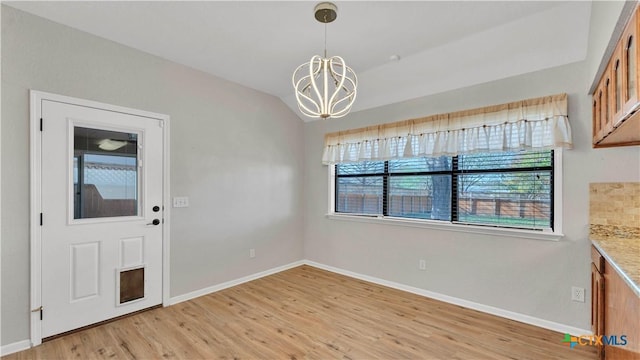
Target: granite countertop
[{"x": 620, "y": 245}]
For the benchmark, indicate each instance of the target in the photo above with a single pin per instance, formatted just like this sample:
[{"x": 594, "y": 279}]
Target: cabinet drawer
[{"x": 597, "y": 259}]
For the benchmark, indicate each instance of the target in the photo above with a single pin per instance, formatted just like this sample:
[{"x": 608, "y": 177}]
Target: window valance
[{"x": 533, "y": 124}]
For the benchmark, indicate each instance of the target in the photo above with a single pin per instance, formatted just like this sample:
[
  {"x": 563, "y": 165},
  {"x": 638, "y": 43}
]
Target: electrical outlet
[
  {"x": 252, "y": 253},
  {"x": 577, "y": 294},
  {"x": 422, "y": 264}
]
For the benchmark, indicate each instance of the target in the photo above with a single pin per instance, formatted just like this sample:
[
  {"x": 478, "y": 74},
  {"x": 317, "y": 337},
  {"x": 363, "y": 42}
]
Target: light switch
[{"x": 180, "y": 201}]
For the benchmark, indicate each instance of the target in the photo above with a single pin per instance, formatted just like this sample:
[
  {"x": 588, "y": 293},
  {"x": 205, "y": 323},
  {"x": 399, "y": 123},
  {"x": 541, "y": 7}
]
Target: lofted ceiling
[{"x": 442, "y": 45}]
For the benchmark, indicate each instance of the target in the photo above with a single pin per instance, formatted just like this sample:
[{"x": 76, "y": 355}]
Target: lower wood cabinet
[
  {"x": 615, "y": 311},
  {"x": 597, "y": 297}
]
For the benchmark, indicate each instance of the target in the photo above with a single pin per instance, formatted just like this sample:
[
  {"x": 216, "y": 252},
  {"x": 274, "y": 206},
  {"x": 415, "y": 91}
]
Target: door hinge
[
  {"x": 40, "y": 124},
  {"x": 40, "y": 309},
  {"x": 41, "y": 222},
  {"x": 160, "y": 123}
]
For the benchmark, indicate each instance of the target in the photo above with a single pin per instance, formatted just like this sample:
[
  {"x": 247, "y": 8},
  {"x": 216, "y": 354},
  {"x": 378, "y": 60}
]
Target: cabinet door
[
  {"x": 596, "y": 118},
  {"x": 599, "y": 118},
  {"x": 621, "y": 313},
  {"x": 606, "y": 116},
  {"x": 597, "y": 305},
  {"x": 629, "y": 44},
  {"x": 603, "y": 119},
  {"x": 617, "y": 85}
]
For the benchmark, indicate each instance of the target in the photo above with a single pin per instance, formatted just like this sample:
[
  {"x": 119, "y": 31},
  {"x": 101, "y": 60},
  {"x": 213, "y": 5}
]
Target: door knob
[{"x": 154, "y": 222}]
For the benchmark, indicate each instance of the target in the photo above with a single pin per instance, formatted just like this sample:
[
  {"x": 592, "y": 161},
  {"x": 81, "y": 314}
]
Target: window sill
[{"x": 442, "y": 225}]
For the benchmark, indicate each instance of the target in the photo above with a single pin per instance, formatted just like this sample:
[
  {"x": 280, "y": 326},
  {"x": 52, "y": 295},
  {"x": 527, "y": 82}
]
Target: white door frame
[{"x": 35, "y": 156}]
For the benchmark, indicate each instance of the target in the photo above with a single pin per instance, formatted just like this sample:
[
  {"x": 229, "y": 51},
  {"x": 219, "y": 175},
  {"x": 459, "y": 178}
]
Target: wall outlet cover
[
  {"x": 422, "y": 265},
  {"x": 577, "y": 294}
]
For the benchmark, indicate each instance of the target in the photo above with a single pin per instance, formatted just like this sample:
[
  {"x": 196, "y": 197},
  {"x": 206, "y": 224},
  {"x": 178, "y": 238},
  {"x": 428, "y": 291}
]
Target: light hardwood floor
[{"x": 310, "y": 313}]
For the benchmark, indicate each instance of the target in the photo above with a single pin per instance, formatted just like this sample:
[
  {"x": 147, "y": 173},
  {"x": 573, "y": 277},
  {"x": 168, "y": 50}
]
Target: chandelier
[{"x": 325, "y": 87}]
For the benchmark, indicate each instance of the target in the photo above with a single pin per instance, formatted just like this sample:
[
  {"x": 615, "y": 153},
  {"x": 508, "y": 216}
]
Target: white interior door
[{"x": 101, "y": 200}]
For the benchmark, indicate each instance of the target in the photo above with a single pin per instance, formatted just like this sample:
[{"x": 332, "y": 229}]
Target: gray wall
[
  {"x": 210, "y": 117},
  {"x": 531, "y": 277},
  {"x": 237, "y": 153}
]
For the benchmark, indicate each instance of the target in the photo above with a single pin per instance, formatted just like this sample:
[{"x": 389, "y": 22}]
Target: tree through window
[{"x": 509, "y": 189}]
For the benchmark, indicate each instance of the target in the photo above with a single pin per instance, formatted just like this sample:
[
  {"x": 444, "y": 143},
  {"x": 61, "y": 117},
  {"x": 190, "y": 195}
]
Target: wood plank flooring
[{"x": 308, "y": 313}]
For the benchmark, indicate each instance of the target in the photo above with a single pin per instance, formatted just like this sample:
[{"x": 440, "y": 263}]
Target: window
[
  {"x": 105, "y": 173},
  {"x": 506, "y": 189},
  {"x": 489, "y": 170}
]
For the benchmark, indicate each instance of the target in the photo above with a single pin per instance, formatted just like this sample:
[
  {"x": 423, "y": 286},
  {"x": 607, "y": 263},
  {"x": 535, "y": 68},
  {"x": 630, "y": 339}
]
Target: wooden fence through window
[{"x": 415, "y": 204}]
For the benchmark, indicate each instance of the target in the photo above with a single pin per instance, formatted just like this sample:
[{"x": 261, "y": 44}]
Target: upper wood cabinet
[{"x": 616, "y": 99}]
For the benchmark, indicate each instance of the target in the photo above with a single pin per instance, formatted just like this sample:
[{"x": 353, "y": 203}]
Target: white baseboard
[
  {"x": 228, "y": 284},
  {"x": 15, "y": 347},
  {"x": 26, "y": 344},
  {"x": 561, "y": 328}
]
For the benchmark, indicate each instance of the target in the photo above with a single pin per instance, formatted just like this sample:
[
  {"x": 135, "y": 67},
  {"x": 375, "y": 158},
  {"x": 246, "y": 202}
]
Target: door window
[{"x": 105, "y": 173}]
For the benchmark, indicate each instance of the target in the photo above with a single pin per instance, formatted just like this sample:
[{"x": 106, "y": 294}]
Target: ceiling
[{"x": 442, "y": 45}]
